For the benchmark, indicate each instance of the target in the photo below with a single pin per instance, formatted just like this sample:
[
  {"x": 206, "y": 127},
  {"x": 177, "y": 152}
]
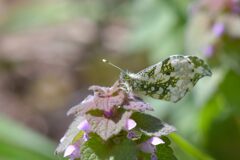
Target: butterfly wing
[{"x": 172, "y": 78}]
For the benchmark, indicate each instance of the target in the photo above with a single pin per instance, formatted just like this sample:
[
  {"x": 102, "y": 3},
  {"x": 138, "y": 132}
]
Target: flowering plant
[{"x": 111, "y": 124}]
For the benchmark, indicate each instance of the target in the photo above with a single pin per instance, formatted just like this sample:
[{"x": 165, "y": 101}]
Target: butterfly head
[
  {"x": 126, "y": 78},
  {"x": 124, "y": 75}
]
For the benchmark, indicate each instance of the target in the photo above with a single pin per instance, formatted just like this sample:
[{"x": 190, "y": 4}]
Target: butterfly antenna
[{"x": 106, "y": 61}]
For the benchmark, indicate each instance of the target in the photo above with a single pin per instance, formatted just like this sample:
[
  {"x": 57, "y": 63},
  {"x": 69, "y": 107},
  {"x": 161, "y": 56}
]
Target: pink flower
[
  {"x": 155, "y": 141},
  {"x": 130, "y": 124},
  {"x": 73, "y": 151},
  {"x": 147, "y": 147},
  {"x": 107, "y": 99},
  {"x": 218, "y": 29},
  {"x": 150, "y": 146},
  {"x": 84, "y": 126}
]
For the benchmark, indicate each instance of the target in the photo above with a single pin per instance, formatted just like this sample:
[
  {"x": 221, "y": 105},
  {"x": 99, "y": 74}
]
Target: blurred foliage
[
  {"x": 48, "y": 47},
  {"x": 20, "y": 143}
]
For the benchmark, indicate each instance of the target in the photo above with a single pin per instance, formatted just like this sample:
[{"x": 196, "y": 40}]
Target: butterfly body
[{"x": 169, "y": 79}]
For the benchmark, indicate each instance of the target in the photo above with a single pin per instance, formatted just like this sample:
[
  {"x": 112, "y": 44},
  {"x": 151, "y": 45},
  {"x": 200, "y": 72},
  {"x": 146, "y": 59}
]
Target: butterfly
[{"x": 167, "y": 80}]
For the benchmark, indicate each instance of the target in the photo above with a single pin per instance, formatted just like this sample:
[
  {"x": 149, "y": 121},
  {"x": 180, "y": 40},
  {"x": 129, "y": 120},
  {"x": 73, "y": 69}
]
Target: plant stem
[{"x": 189, "y": 148}]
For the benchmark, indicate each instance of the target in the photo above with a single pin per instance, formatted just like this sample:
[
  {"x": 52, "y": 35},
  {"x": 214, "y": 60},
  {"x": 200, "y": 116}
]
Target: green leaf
[
  {"x": 210, "y": 112},
  {"x": 19, "y": 142},
  {"x": 223, "y": 140},
  {"x": 97, "y": 149},
  {"x": 126, "y": 150},
  {"x": 144, "y": 156},
  {"x": 105, "y": 127},
  {"x": 219, "y": 120},
  {"x": 152, "y": 126},
  {"x": 228, "y": 88},
  {"x": 11, "y": 152},
  {"x": 164, "y": 151},
  {"x": 94, "y": 149}
]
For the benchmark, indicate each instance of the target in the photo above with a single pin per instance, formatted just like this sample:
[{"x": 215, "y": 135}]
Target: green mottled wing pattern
[{"x": 169, "y": 79}]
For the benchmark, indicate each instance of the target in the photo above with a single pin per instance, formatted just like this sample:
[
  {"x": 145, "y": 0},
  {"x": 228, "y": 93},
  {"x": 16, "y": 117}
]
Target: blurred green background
[{"x": 51, "y": 51}]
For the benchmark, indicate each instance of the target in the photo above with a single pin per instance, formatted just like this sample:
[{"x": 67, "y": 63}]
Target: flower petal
[
  {"x": 218, "y": 29},
  {"x": 84, "y": 125},
  {"x": 130, "y": 124},
  {"x": 156, "y": 141},
  {"x": 147, "y": 147},
  {"x": 70, "y": 149}
]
